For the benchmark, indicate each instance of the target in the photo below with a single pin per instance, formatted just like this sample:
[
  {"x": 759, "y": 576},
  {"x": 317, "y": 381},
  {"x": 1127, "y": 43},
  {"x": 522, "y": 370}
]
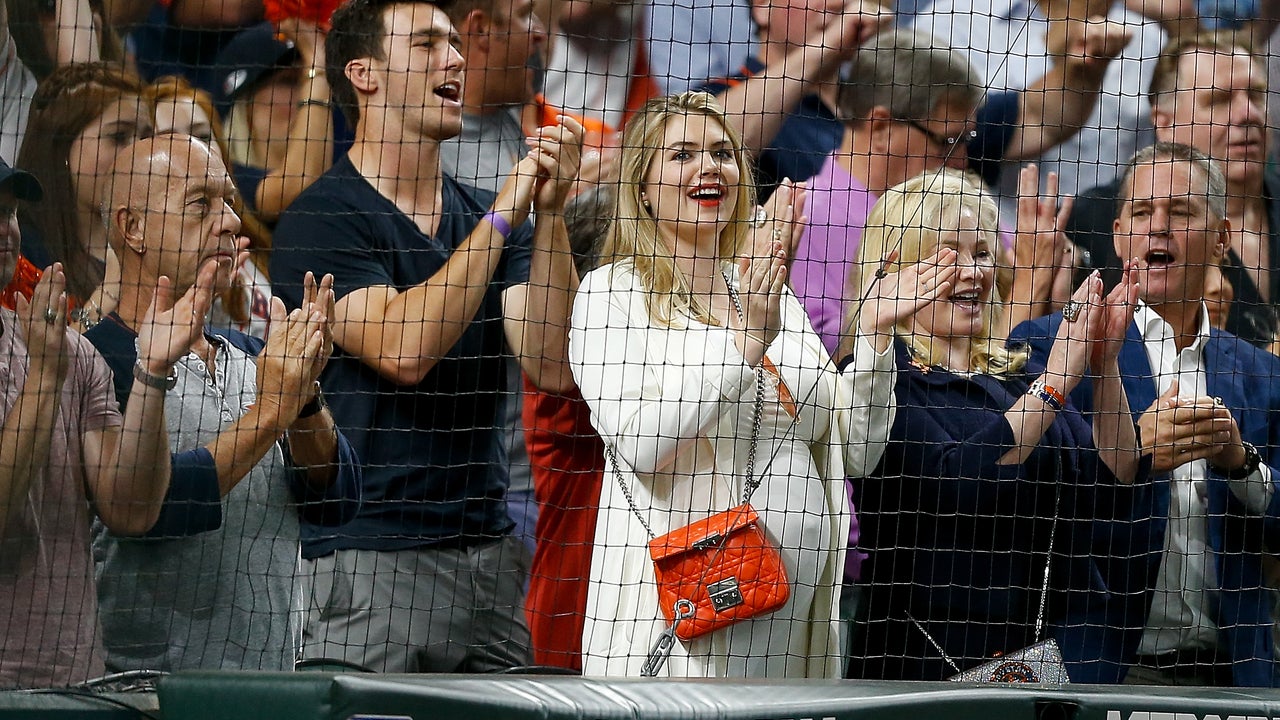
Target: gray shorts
[{"x": 420, "y": 610}]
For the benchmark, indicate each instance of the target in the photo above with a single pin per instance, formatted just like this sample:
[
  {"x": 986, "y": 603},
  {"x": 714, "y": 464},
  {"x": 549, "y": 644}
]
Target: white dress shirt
[{"x": 1183, "y": 607}]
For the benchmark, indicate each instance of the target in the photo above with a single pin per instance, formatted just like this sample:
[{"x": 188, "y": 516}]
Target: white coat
[{"x": 676, "y": 404}]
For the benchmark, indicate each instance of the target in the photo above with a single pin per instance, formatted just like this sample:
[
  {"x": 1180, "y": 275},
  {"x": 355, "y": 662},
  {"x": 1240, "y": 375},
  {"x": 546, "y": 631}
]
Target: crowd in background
[{"x": 392, "y": 335}]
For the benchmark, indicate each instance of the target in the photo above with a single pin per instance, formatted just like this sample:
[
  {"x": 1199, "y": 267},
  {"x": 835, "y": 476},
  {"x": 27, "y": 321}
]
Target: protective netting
[{"x": 412, "y": 337}]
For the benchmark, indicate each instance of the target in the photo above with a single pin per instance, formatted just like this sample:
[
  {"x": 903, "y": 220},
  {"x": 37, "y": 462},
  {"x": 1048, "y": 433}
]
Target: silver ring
[
  {"x": 761, "y": 217},
  {"x": 50, "y": 315},
  {"x": 1071, "y": 311}
]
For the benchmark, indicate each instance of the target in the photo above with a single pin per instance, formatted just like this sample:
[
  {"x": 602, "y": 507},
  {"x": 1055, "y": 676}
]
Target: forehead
[
  {"x": 1201, "y": 69},
  {"x": 404, "y": 19},
  {"x": 1165, "y": 179},
  {"x": 128, "y": 107},
  {"x": 694, "y": 127}
]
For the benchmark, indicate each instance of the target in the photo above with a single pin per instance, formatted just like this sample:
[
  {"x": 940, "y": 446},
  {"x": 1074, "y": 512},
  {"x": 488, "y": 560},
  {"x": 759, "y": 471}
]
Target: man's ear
[
  {"x": 1162, "y": 120},
  {"x": 362, "y": 76},
  {"x": 126, "y": 230},
  {"x": 878, "y": 122},
  {"x": 1223, "y": 243},
  {"x": 475, "y": 28}
]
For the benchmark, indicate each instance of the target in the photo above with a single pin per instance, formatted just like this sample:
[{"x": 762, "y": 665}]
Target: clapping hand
[
  {"x": 43, "y": 321},
  {"x": 287, "y": 365},
  {"x": 319, "y": 298},
  {"x": 170, "y": 328},
  {"x": 557, "y": 151},
  {"x": 1114, "y": 317}
]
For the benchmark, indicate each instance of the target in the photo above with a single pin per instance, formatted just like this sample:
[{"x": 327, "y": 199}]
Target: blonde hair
[
  {"x": 633, "y": 236},
  {"x": 911, "y": 217}
]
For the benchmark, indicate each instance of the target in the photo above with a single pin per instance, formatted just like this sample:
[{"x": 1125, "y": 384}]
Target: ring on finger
[
  {"x": 1071, "y": 311},
  {"x": 50, "y": 315},
  {"x": 761, "y": 217}
]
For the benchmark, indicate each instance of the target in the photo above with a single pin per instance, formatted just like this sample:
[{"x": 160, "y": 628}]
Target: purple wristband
[{"x": 499, "y": 223}]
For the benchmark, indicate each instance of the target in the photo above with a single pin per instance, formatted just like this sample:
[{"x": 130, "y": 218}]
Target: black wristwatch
[
  {"x": 1251, "y": 462},
  {"x": 314, "y": 406}
]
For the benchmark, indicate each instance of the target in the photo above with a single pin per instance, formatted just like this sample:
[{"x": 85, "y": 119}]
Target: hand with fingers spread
[
  {"x": 170, "y": 327},
  {"x": 43, "y": 320},
  {"x": 896, "y": 296},
  {"x": 1043, "y": 256},
  {"x": 287, "y": 364}
]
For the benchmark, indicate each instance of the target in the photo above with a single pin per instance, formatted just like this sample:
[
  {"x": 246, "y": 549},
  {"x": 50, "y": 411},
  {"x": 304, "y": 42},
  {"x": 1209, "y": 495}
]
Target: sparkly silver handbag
[{"x": 1039, "y": 663}]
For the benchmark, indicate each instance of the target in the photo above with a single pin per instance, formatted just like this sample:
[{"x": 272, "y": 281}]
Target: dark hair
[
  {"x": 587, "y": 217},
  {"x": 67, "y": 102},
  {"x": 26, "y": 27},
  {"x": 357, "y": 30}
]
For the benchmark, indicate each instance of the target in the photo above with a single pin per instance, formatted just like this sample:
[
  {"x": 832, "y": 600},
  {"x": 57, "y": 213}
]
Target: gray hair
[
  {"x": 1215, "y": 189},
  {"x": 908, "y": 72}
]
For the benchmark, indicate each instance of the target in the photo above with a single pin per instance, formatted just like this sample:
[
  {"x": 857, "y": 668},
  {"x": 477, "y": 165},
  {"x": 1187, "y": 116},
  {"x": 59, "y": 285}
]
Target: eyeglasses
[{"x": 942, "y": 140}]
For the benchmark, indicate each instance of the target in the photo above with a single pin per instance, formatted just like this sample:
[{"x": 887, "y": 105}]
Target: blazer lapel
[{"x": 1135, "y": 369}]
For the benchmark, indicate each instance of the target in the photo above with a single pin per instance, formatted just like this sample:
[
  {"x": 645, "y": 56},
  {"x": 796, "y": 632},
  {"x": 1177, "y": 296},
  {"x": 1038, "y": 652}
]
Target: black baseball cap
[
  {"x": 251, "y": 54},
  {"x": 22, "y": 183}
]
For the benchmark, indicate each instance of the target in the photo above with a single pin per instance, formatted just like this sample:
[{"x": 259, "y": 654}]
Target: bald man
[{"x": 221, "y": 598}]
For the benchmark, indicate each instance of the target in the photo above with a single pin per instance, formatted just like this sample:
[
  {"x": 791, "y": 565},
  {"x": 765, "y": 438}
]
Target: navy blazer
[
  {"x": 1129, "y": 550},
  {"x": 958, "y": 542}
]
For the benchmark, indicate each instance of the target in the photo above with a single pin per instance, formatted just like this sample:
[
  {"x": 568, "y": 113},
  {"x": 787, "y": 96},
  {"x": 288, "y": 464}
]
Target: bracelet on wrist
[
  {"x": 1047, "y": 394},
  {"x": 159, "y": 382},
  {"x": 755, "y": 337},
  {"x": 314, "y": 406},
  {"x": 1252, "y": 460},
  {"x": 326, "y": 104},
  {"x": 499, "y": 223}
]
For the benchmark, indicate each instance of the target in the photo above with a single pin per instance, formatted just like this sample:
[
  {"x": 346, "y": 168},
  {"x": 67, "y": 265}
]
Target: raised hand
[
  {"x": 896, "y": 296},
  {"x": 1115, "y": 317},
  {"x": 760, "y": 292},
  {"x": 43, "y": 321},
  {"x": 780, "y": 221},
  {"x": 1043, "y": 260},
  {"x": 286, "y": 365},
  {"x": 319, "y": 298},
  {"x": 1069, "y": 357},
  {"x": 170, "y": 328},
  {"x": 557, "y": 150}
]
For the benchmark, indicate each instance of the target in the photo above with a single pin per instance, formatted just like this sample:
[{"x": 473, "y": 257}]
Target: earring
[{"x": 644, "y": 202}]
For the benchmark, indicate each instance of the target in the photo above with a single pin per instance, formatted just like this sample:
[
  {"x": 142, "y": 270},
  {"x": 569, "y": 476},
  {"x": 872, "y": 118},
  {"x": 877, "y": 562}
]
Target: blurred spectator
[
  {"x": 225, "y": 598},
  {"x": 1210, "y": 93},
  {"x": 1188, "y": 604},
  {"x": 1015, "y": 43},
  {"x": 81, "y": 117},
  {"x": 598, "y": 64},
  {"x": 246, "y": 306},
  {"x": 184, "y": 37},
  {"x": 435, "y": 278},
  {"x": 987, "y": 468},
  {"x": 782, "y": 101},
  {"x": 691, "y": 42},
  {"x": 34, "y": 39},
  {"x": 272, "y": 90},
  {"x": 49, "y": 35},
  {"x": 566, "y": 459},
  {"x": 65, "y": 449}
]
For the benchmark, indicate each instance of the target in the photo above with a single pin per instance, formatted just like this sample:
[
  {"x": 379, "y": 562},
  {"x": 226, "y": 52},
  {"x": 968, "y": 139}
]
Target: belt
[{"x": 1198, "y": 657}]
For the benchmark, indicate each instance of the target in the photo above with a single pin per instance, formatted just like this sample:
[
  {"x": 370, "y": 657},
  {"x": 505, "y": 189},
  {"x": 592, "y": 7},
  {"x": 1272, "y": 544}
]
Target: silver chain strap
[{"x": 753, "y": 482}]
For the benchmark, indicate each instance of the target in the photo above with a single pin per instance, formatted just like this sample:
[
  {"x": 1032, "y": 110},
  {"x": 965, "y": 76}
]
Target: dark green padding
[{"x": 324, "y": 696}]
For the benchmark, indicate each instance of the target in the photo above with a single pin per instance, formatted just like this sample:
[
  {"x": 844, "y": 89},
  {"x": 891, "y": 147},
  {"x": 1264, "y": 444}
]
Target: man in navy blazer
[{"x": 1188, "y": 604}]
